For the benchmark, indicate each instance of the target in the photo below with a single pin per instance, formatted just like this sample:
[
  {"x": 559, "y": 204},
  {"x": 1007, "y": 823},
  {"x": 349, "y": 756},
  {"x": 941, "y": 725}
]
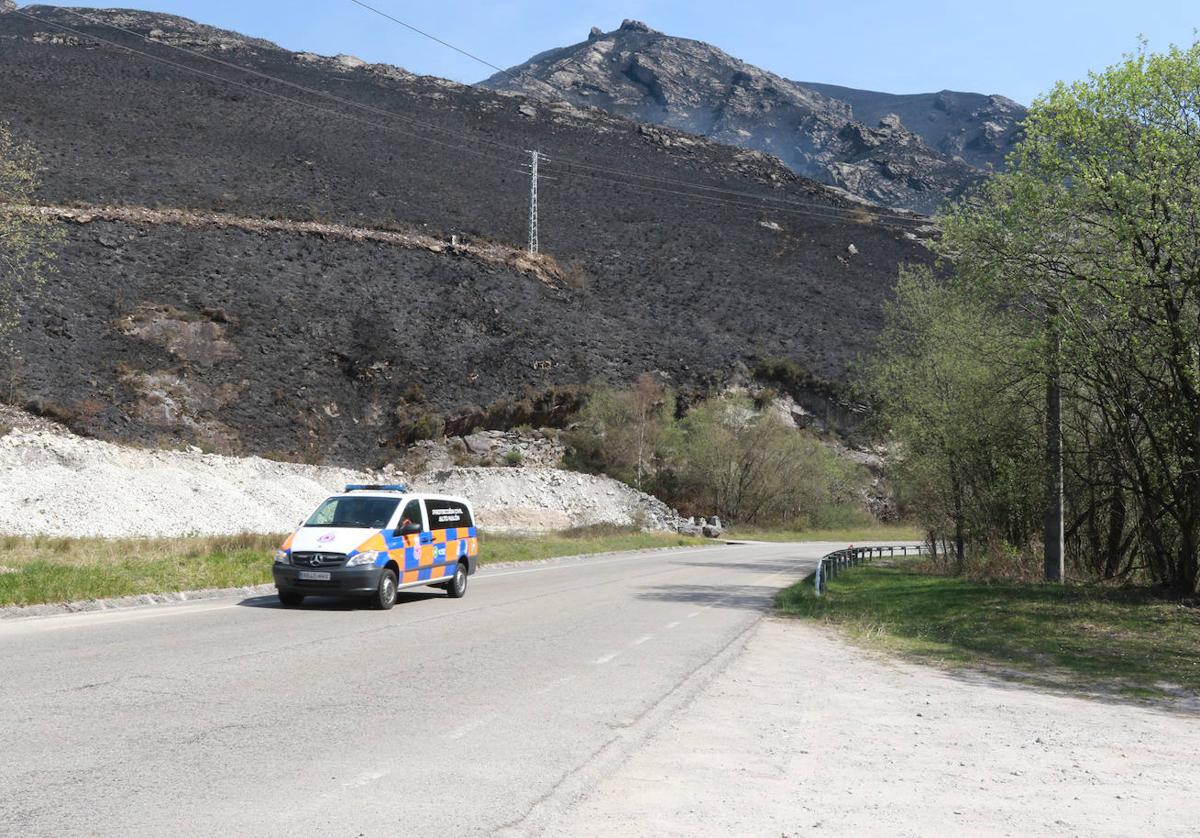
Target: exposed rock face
[
  {"x": 7, "y": 6},
  {"x": 890, "y": 165},
  {"x": 979, "y": 129},
  {"x": 690, "y": 85}
]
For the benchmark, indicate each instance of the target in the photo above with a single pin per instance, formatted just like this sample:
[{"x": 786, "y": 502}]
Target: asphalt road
[{"x": 490, "y": 714}]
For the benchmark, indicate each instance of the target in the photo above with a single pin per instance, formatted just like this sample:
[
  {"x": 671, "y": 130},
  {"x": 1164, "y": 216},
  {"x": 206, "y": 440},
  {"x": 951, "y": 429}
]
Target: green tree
[
  {"x": 750, "y": 467},
  {"x": 621, "y": 432},
  {"x": 27, "y": 237},
  {"x": 1094, "y": 235},
  {"x": 947, "y": 383}
]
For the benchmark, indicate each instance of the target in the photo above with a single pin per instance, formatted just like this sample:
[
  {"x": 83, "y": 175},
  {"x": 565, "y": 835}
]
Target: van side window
[
  {"x": 447, "y": 514},
  {"x": 411, "y": 514}
]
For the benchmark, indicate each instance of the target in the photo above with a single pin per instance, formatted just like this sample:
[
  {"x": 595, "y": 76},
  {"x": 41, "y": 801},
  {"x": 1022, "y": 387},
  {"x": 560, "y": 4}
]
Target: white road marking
[
  {"x": 695, "y": 614},
  {"x": 83, "y": 619},
  {"x": 605, "y": 659},
  {"x": 467, "y": 728},
  {"x": 582, "y": 561},
  {"x": 642, "y": 640},
  {"x": 673, "y": 624},
  {"x": 553, "y": 685},
  {"x": 365, "y": 779}
]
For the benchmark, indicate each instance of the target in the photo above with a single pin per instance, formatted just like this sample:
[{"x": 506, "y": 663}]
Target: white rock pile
[{"x": 53, "y": 483}]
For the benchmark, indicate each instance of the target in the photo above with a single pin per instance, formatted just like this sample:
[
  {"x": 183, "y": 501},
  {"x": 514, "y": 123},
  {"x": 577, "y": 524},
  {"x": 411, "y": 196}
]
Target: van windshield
[{"x": 360, "y": 513}]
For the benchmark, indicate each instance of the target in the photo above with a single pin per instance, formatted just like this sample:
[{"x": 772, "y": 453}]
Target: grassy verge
[
  {"x": 40, "y": 570},
  {"x": 523, "y": 548},
  {"x": 849, "y": 535},
  {"x": 37, "y": 570},
  {"x": 1091, "y": 638}
]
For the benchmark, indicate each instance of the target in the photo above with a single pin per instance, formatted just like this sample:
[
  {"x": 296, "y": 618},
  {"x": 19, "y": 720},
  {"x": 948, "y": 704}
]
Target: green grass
[
  {"x": 523, "y": 548},
  {"x": 1107, "y": 640},
  {"x": 37, "y": 570},
  {"x": 849, "y": 535},
  {"x": 40, "y": 570}
]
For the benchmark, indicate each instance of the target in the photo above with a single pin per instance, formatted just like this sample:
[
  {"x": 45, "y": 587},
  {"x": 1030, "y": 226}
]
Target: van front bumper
[{"x": 342, "y": 582}]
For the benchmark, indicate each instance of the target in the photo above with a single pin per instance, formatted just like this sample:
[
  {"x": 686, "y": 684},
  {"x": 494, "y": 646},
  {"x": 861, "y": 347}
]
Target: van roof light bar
[{"x": 376, "y": 487}]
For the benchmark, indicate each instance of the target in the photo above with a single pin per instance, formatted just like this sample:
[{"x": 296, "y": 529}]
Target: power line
[
  {"x": 554, "y": 91},
  {"x": 882, "y": 211},
  {"x": 711, "y": 199},
  {"x": 447, "y": 44},
  {"x": 814, "y": 210},
  {"x": 823, "y": 209},
  {"x": 258, "y": 73},
  {"x": 253, "y": 89}
]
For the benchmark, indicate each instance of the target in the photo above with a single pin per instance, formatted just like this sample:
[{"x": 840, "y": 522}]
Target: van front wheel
[
  {"x": 457, "y": 586},
  {"x": 385, "y": 595}
]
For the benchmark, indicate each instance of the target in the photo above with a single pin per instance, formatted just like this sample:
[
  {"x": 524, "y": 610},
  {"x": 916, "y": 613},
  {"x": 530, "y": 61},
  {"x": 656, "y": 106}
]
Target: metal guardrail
[{"x": 833, "y": 563}]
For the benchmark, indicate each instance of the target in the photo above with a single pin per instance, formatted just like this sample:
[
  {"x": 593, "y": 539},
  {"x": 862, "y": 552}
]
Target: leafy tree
[
  {"x": 622, "y": 431},
  {"x": 1094, "y": 235},
  {"x": 722, "y": 458},
  {"x": 947, "y": 382},
  {"x": 750, "y": 467}
]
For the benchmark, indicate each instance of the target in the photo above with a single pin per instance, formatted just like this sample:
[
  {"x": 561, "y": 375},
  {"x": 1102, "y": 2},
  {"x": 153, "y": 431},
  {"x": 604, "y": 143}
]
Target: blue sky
[{"x": 1018, "y": 48}]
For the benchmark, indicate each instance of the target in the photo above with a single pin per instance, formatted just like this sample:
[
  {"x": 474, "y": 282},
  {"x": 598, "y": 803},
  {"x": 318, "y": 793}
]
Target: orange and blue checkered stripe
[{"x": 426, "y": 556}]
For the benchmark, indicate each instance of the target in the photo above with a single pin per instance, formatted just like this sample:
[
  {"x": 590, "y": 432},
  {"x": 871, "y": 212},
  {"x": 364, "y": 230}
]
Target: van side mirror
[{"x": 409, "y": 528}]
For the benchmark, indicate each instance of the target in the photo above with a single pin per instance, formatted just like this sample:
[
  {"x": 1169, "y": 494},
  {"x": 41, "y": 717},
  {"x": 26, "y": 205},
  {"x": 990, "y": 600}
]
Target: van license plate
[{"x": 314, "y": 575}]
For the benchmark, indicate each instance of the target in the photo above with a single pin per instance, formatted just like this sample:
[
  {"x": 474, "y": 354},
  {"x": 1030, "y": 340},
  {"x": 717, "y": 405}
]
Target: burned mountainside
[{"x": 174, "y": 318}]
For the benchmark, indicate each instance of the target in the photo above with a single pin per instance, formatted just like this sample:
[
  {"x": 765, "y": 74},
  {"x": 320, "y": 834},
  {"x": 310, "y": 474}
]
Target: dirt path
[
  {"x": 804, "y": 734},
  {"x": 542, "y": 266}
]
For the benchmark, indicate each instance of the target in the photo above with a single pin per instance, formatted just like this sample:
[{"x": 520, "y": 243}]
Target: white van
[{"x": 374, "y": 540}]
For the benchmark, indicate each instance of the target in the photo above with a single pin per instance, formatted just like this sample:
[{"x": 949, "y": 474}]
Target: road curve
[{"x": 485, "y": 715}]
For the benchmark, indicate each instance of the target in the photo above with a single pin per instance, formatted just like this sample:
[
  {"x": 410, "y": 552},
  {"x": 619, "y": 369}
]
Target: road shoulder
[{"x": 804, "y": 732}]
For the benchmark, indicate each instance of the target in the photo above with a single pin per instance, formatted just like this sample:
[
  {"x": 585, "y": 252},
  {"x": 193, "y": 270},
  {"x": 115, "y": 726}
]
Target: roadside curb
[
  {"x": 15, "y": 612},
  {"x": 49, "y": 609}
]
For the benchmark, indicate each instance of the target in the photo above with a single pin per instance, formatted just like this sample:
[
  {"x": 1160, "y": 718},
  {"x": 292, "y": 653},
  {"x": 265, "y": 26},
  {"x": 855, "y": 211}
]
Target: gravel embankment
[{"x": 62, "y": 485}]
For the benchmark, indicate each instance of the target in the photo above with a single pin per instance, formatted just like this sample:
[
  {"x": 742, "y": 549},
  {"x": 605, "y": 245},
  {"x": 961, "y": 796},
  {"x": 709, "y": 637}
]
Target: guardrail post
[{"x": 830, "y": 565}]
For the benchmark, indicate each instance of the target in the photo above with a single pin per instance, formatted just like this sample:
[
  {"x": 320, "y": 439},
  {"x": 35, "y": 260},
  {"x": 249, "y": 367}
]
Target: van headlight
[
  {"x": 367, "y": 557},
  {"x": 282, "y": 557}
]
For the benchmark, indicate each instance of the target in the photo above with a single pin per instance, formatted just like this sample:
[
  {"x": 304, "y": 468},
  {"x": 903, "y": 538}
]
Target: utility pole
[
  {"x": 1053, "y": 536},
  {"x": 535, "y": 157}
]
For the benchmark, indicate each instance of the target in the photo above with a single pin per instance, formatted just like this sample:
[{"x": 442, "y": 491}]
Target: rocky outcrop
[
  {"x": 645, "y": 75},
  {"x": 890, "y": 165},
  {"x": 979, "y": 129},
  {"x": 536, "y": 449},
  {"x": 7, "y": 6}
]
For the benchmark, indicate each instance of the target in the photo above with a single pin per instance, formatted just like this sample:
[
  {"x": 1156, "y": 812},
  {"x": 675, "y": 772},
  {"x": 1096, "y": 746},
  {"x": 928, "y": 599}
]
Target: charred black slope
[
  {"x": 938, "y": 146},
  {"x": 278, "y": 342}
]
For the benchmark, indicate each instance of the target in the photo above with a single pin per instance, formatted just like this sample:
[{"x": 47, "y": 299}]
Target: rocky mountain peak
[
  {"x": 7, "y": 6},
  {"x": 629, "y": 25},
  {"x": 923, "y": 150}
]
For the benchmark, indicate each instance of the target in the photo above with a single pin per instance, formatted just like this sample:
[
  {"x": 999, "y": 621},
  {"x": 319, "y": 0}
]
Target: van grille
[{"x": 318, "y": 559}]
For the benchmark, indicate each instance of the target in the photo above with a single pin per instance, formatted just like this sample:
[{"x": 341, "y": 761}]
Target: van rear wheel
[{"x": 457, "y": 586}]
